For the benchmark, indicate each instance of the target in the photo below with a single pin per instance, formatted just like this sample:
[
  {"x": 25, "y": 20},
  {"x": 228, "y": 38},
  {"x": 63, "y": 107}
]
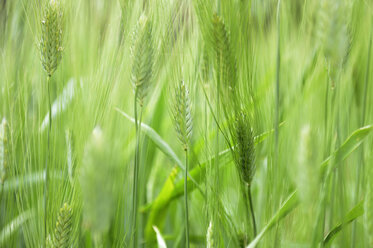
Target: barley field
[{"x": 186, "y": 123}]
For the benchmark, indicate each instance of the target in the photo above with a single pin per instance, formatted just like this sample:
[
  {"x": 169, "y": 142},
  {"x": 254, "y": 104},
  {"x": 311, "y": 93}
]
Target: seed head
[
  {"x": 244, "y": 150},
  {"x": 225, "y": 65},
  {"x": 63, "y": 231},
  {"x": 142, "y": 52},
  {"x": 51, "y": 37},
  {"x": 181, "y": 113}
]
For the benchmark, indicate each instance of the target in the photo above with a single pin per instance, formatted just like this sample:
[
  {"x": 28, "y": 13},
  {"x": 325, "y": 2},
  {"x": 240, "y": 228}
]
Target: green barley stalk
[
  {"x": 63, "y": 230},
  {"x": 142, "y": 70},
  {"x": 368, "y": 208},
  {"x": 4, "y": 154},
  {"x": 181, "y": 113},
  {"x": 332, "y": 34},
  {"x": 225, "y": 85},
  {"x": 244, "y": 157},
  {"x": 362, "y": 165},
  {"x": 51, "y": 53}
]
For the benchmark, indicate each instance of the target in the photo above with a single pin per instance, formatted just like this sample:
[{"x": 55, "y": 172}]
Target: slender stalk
[
  {"x": 247, "y": 208},
  {"x": 138, "y": 120},
  {"x": 215, "y": 174},
  {"x": 277, "y": 112},
  {"x": 278, "y": 59},
  {"x": 1, "y": 192},
  {"x": 361, "y": 165},
  {"x": 321, "y": 212},
  {"x": 252, "y": 209},
  {"x": 46, "y": 164},
  {"x": 186, "y": 199}
]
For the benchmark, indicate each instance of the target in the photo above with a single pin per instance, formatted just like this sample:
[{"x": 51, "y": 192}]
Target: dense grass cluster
[{"x": 186, "y": 123}]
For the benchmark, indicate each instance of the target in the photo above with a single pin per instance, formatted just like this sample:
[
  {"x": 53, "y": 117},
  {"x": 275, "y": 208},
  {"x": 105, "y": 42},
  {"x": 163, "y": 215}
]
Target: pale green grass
[{"x": 299, "y": 69}]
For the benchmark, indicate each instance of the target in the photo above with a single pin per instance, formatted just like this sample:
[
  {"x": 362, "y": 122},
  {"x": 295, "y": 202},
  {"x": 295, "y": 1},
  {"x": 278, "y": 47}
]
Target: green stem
[
  {"x": 1, "y": 192},
  {"x": 186, "y": 199},
  {"x": 322, "y": 209},
  {"x": 136, "y": 171},
  {"x": 215, "y": 176},
  {"x": 252, "y": 209},
  {"x": 247, "y": 209},
  {"x": 277, "y": 112},
  {"x": 361, "y": 165},
  {"x": 46, "y": 164}
]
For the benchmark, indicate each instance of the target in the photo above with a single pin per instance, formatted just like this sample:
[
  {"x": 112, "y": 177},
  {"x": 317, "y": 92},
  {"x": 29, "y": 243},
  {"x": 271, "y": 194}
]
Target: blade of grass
[
  {"x": 160, "y": 239},
  {"x": 350, "y": 145},
  {"x": 352, "y": 215},
  {"x": 14, "y": 225},
  {"x": 285, "y": 209},
  {"x": 33, "y": 178}
]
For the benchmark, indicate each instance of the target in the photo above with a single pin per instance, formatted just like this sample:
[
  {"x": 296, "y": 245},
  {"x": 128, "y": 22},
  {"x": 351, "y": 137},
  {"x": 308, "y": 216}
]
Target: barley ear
[
  {"x": 63, "y": 231},
  {"x": 4, "y": 150},
  {"x": 332, "y": 33},
  {"x": 51, "y": 37},
  {"x": 142, "y": 52},
  {"x": 244, "y": 150},
  {"x": 225, "y": 65},
  {"x": 181, "y": 113}
]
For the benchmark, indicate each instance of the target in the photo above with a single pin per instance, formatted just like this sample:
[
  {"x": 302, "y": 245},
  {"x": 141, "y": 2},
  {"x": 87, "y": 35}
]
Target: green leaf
[
  {"x": 286, "y": 208},
  {"x": 350, "y": 145},
  {"x": 14, "y": 225},
  {"x": 12, "y": 184},
  {"x": 61, "y": 103},
  {"x": 156, "y": 138},
  {"x": 352, "y": 215},
  {"x": 159, "y": 206},
  {"x": 160, "y": 143},
  {"x": 170, "y": 191},
  {"x": 160, "y": 239},
  {"x": 199, "y": 171}
]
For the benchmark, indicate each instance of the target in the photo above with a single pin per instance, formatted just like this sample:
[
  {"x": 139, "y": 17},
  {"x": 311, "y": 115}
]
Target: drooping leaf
[
  {"x": 61, "y": 103},
  {"x": 160, "y": 239},
  {"x": 160, "y": 143},
  {"x": 14, "y": 225},
  {"x": 350, "y": 145},
  {"x": 285, "y": 209},
  {"x": 29, "y": 179},
  {"x": 352, "y": 215}
]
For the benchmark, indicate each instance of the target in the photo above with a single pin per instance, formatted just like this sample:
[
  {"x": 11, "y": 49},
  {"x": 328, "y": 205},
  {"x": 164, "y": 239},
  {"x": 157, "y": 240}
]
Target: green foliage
[
  {"x": 299, "y": 70},
  {"x": 352, "y": 215},
  {"x": 289, "y": 204}
]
